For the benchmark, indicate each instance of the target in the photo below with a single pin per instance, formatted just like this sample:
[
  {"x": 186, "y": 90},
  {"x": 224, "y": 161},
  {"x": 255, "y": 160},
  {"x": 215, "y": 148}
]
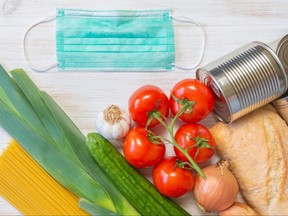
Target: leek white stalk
[{"x": 113, "y": 123}]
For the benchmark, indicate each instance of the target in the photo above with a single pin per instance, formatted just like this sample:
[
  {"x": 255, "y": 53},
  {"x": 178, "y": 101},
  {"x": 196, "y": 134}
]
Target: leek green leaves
[{"x": 43, "y": 129}]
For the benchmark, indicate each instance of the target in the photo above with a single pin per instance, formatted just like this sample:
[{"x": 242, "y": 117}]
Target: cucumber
[{"x": 139, "y": 191}]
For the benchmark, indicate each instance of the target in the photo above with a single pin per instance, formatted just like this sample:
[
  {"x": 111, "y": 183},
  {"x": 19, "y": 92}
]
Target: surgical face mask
[{"x": 114, "y": 40}]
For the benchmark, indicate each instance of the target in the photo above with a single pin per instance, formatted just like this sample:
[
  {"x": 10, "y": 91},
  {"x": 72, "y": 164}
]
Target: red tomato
[
  {"x": 198, "y": 141},
  {"x": 146, "y": 99},
  {"x": 139, "y": 151},
  {"x": 172, "y": 180},
  {"x": 192, "y": 90}
]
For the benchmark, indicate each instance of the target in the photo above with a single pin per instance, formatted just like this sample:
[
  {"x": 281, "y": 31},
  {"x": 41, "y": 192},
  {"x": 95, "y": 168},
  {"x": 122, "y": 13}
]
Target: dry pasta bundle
[{"x": 30, "y": 189}]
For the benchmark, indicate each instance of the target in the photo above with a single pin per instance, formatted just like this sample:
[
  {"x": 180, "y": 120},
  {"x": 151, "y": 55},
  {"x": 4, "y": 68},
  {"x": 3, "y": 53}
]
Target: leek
[
  {"x": 93, "y": 209},
  {"x": 43, "y": 129}
]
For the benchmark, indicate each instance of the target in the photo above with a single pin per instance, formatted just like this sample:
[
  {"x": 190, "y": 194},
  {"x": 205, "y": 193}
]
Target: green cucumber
[{"x": 139, "y": 191}]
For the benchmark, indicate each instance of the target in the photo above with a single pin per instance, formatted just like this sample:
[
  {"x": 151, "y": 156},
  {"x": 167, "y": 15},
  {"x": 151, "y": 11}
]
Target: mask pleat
[
  {"x": 102, "y": 60},
  {"x": 117, "y": 41}
]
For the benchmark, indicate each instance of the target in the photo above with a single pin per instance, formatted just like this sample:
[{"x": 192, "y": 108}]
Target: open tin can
[{"x": 244, "y": 80}]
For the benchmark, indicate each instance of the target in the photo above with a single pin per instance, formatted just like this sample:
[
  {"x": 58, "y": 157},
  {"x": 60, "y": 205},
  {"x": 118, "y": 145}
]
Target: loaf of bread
[
  {"x": 257, "y": 148},
  {"x": 238, "y": 209}
]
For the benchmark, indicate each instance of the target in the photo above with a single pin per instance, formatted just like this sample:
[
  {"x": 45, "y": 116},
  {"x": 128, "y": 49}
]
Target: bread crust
[{"x": 257, "y": 148}]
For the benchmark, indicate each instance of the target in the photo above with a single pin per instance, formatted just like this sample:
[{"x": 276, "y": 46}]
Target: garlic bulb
[{"x": 113, "y": 123}]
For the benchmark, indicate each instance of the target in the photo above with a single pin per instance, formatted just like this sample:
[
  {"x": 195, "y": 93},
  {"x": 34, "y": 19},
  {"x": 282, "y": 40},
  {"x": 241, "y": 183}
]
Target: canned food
[
  {"x": 282, "y": 51},
  {"x": 244, "y": 80}
]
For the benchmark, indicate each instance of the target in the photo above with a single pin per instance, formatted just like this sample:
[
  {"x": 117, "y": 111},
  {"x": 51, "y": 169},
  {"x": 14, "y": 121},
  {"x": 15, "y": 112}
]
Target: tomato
[
  {"x": 146, "y": 99},
  {"x": 140, "y": 151},
  {"x": 192, "y": 90},
  {"x": 172, "y": 180},
  {"x": 198, "y": 140}
]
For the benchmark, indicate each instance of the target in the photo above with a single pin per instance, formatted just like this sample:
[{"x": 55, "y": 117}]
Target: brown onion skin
[
  {"x": 219, "y": 191},
  {"x": 238, "y": 209}
]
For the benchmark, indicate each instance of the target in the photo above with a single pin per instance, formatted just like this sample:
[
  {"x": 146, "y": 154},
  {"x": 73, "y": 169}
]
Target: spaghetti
[{"x": 30, "y": 189}]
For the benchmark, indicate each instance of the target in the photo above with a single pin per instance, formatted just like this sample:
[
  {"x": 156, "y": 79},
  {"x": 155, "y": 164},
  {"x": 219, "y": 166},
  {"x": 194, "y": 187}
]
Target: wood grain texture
[{"x": 227, "y": 24}]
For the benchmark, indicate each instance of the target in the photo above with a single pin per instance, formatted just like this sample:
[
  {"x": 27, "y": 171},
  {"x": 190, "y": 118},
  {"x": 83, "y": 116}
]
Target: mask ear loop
[
  {"x": 188, "y": 20},
  {"x": 45, "y": 68}
]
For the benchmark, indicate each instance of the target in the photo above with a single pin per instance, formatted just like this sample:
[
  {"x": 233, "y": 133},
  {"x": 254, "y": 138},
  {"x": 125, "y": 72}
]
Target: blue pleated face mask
[{"x": 114, "y": 40}]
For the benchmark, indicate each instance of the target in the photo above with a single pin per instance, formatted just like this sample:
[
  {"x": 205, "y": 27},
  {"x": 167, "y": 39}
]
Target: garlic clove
[
  {"x": 125, "y": 127},
  {"x": 116, "y": 131}
]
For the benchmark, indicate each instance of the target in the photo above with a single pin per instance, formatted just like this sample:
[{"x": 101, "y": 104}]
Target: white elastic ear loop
[
  {"x": 45, "y": 68},
  {"x": 188, "y": 20}
]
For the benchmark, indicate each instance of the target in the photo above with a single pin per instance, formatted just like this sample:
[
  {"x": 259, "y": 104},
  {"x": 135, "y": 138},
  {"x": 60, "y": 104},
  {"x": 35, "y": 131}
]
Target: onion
[{"x": 219, "y": 190}]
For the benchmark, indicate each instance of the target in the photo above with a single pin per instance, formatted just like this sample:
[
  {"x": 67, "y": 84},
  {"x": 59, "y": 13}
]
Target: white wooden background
[{"x": 228, "y": 25}]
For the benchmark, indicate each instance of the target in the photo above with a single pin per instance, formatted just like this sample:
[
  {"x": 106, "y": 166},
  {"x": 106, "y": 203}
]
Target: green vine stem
[{"x": 170, "y": 130}]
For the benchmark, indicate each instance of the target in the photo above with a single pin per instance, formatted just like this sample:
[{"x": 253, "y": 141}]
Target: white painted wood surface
[{"x": 227, "y": 24}]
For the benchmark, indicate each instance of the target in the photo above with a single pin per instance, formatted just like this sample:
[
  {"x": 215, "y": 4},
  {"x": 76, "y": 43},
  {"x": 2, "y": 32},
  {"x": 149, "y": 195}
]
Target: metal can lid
[
  {"x": 282, "y": 52},
  {"x": 222, "y": 91}
]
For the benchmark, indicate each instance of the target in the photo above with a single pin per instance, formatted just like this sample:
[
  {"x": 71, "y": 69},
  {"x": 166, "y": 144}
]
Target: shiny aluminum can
[
  {"x": 244, "y": 80},
  {"x": 281, "y": 50}
]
